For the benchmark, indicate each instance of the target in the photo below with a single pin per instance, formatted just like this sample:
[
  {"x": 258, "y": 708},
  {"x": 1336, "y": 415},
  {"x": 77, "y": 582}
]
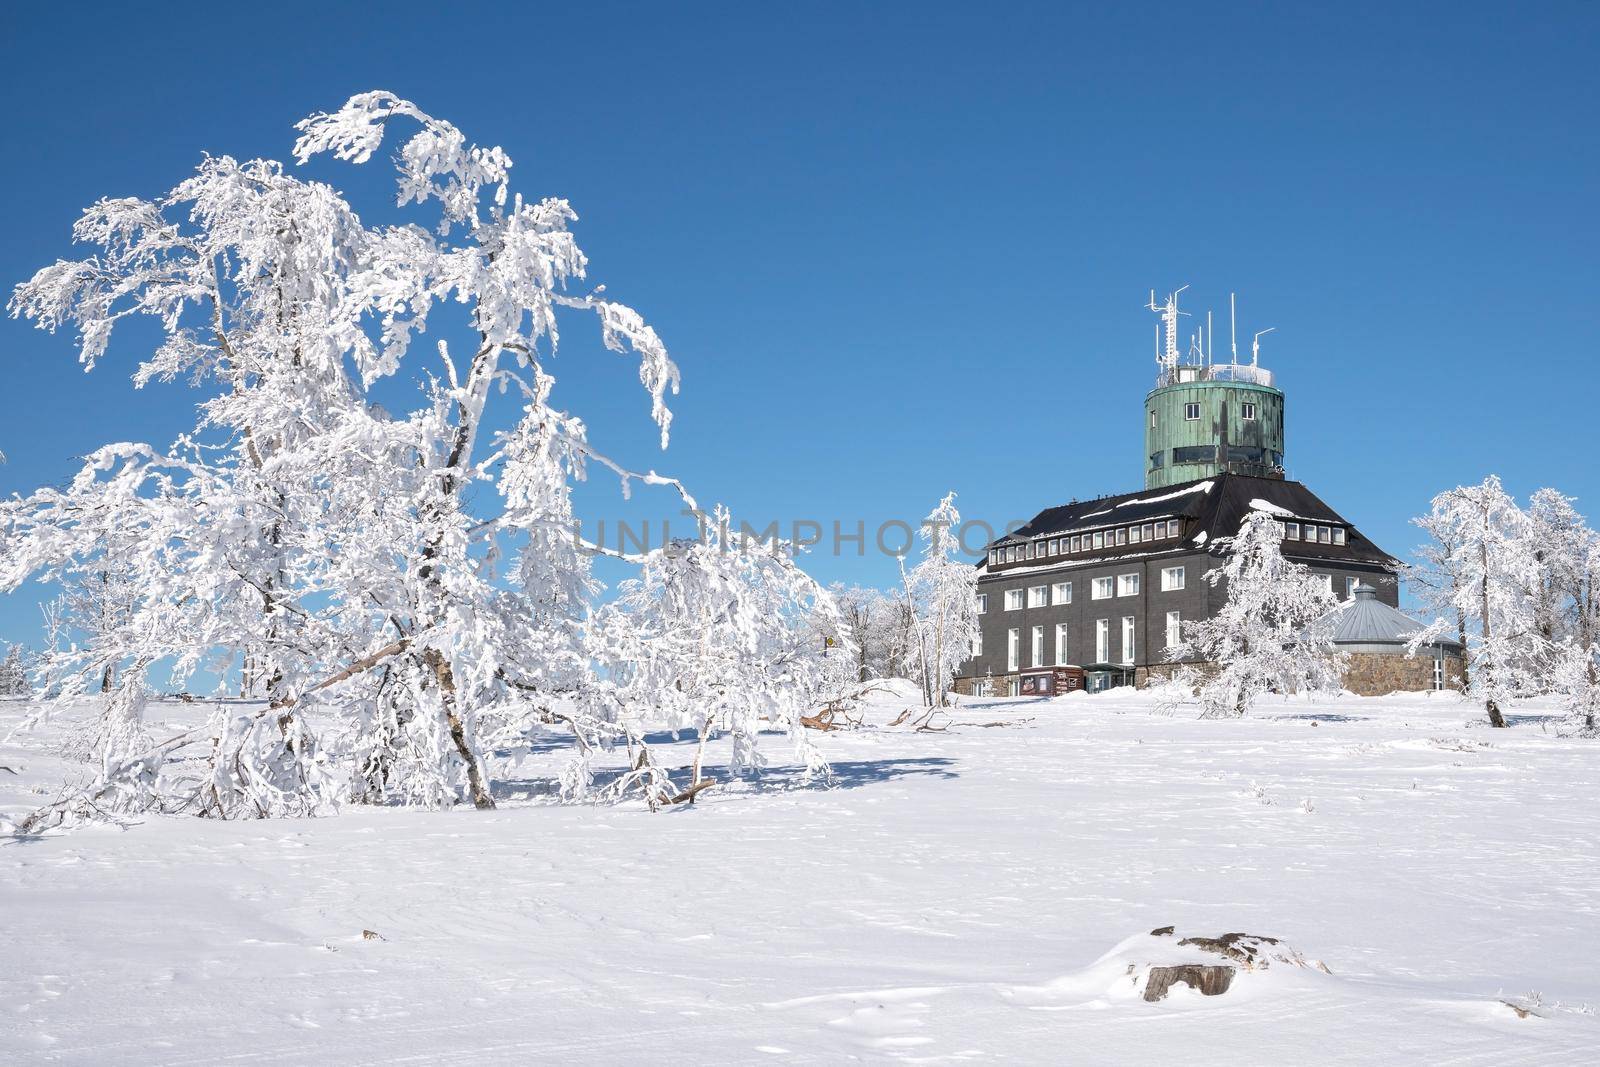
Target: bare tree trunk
[{"x": 1496, "y": 719}]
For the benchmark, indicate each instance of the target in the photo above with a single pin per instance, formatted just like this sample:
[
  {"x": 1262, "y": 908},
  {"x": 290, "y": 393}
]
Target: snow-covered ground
[{"x": 947, "y": 899}]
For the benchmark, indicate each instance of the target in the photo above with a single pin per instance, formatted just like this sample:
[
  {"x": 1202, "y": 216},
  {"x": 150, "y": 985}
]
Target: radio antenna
[
  {"x": 1255, "y": 346},
  {"x": 1233, "y": 327}
]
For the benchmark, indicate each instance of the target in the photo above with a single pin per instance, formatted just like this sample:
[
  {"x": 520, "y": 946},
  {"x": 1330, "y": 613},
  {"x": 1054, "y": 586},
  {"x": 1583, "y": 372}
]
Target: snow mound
[{"x": 1154, "y": 966}]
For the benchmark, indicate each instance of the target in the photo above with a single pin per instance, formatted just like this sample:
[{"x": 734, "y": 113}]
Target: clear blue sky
[{"x": 900, "y": 249}]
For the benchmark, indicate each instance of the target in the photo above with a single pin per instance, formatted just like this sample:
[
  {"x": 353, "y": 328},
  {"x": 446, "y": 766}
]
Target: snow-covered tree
[
  {"x": 14, "y": 680},
  {"x": 723, "y": 634},
  {"x": 342, "y": 558},
  {"x": 1483, "y": 540},
  {"x": 1566, "y": 602},
  {"x": 942, "y": 590},
  {"x": 1272, "y": 633}
]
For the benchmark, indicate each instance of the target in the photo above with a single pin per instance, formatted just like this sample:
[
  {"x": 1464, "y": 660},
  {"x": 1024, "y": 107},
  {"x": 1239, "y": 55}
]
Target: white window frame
[
  {"x": 1152, "y": 418},
  {"x": 1038, "y": 646},
  {"x": 1122, "y": 535},
  {"x": 1055, "y": 546},
  {"x": 1061, "y": 644},
  {"x": 1172, "y": 579},
  {"x": 983, "y": 603},
  {"x": 1338, "y": 535},
  {"x": 1103, "y": 588},
  {"x": 977, "y": 642},
  {"x": 1038, "y": 596},
  {"x": 1014, "y": 600},
  {"x": 1061, "y": 593},
  {"x": 1134, "y": 535},
  {"x": 1438, "y": 672},
  {"x": 1350, "y": 587},
  {"x": 1191, "y": 406},
  {"x": 1128, "y": 649},
  {"x": 1013, "y": 648},
  {"x": 1174, "y": 628},
  {"x": 1292, "y": 531},
  {"x": 1128, "y": 584},
  {"x": 1099, "y": 539},
  {"x": 1328, "y": 580},
  {"x": 1102, "y": 640},
  {"x": 1247, "y": 411}
]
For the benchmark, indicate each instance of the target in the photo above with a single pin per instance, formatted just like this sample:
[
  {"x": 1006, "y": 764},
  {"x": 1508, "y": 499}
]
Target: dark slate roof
[
  {"x": 1366, "y": 620},
  {"x": 1216, "y": 507}
]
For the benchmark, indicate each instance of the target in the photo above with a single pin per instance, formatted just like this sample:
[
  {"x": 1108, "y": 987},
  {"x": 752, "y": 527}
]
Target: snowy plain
[{"x": 947, "y": 899}]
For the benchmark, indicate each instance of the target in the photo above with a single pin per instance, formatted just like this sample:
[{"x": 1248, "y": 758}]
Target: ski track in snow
[{"x": 946, "y": 901}]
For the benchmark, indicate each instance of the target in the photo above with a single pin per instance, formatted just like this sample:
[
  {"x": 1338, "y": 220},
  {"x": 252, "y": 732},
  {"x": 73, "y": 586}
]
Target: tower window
[
  {"x": 1191, "y": 412},
  {"x": 1152, "y": 420},
  {"x": 1157, "y": 459},
  {"x": 1247, "y": 412}
]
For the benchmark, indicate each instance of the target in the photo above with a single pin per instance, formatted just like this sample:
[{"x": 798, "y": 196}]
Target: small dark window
[
  {"x": 1157, "y": 459},
  {"x": 1194, "y": 454}
]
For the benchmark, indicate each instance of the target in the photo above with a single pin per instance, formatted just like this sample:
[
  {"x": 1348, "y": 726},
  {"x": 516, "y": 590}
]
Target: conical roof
[{"x": 1366, "y": 620}]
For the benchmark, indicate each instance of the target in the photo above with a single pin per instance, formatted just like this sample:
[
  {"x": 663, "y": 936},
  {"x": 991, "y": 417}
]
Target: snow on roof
[{"x": 1270, "y": 508}]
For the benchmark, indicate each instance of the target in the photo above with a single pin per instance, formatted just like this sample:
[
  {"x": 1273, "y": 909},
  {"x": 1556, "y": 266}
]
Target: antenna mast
[
  {"x": 1233, "y": 328},
  {"x": 1255, "y": 346},
  {"x": 1167, "y": 357}
]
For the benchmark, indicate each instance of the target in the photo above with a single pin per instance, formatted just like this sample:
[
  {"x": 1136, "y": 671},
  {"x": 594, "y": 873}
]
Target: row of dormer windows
[{"x": 1045, "y": 548}]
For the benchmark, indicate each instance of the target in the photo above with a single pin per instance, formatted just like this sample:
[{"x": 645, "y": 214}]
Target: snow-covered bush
[
  {"x": 340, "y": 561},
  {"x": 1271, "y": 634}
]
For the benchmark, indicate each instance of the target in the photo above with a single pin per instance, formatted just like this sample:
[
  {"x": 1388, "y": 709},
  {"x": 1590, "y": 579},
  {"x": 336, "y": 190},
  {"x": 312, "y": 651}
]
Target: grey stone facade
[{"x": 1148, "y": 608}]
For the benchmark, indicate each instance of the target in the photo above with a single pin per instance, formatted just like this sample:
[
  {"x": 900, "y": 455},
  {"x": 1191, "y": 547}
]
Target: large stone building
[{"x": 1092, "y": 593}]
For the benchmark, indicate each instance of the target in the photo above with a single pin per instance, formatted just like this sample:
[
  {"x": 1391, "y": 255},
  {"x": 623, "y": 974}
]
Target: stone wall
[{"x": 1372, "y": 674}]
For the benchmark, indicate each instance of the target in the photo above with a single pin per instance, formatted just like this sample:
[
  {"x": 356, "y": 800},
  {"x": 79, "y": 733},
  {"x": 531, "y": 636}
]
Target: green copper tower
[{"x": 1205, "y": 418}]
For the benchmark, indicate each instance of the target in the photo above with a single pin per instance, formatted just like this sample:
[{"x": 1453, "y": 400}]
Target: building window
[
  {"x": 977, "y": 643},
  {"x": 1247, "y": 412},
  {"x": 1171, "y": 579},
  {"x": 1324, "y": 535},
  {"x": 1099, "y": 539},
  {"x": 1103, "y": 589},
  {"x": 1102, "y": 641},
  {"x": 1292, "y": 531},
  {"x": 1174, "y": 629},
  {"x": 1157, "y": 460},
  {"x": 1013, "y": 600},
  {"x": 1127, "y": 585},
  {"x": 1061, "y": 644},
  {"x": 1037, "y": 597},
  {"x": 994, "y": 557},
  {"x": 1194, "y": 454},
  {"x": 1350, "y": 587},
  {"x": 1077, "y": 544},
  {"x": 1127, "y": 639},
  {"x": 1013, "y": 643},
  {"x": 1191, "y": 412},
  {"x": 1338, "y": 535},
  {"x": 1134, "y": 535},
  {"x": 1061, "y": 593},
  {"x": 1149, "y": 531},
  {"x": 983, "y": 603},
  {"x": 1327, "y": 582},
  {"x": 1438, "y": 672},
  {"x": 1013, "y": 687},
  {"x": 1027, "y": 550},
  {"x": 1055, "y": 547},
  {"x": 1172, "y": 527},
  {"x": 1038, "y": 646},
  {"x": 1153, "y": 426}
]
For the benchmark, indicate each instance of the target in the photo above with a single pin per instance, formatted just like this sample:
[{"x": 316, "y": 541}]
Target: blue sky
[{"x": 900, "y": 249}]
